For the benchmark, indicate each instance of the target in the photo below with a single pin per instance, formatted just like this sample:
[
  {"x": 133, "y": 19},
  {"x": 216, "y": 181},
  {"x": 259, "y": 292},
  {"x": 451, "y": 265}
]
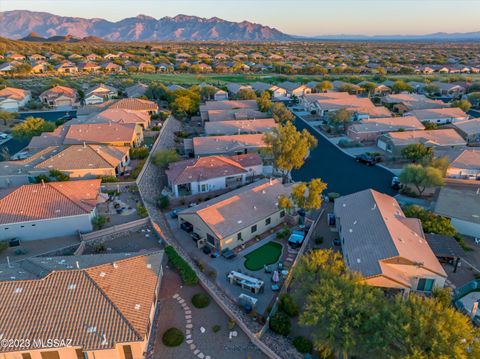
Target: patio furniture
[
  {"x": 275, "y": 287},
  {"x": 267, "y": 269}
]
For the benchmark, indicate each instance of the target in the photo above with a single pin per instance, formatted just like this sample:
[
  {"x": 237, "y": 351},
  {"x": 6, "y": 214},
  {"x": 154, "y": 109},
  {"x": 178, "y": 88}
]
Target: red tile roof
[
  {"x": 49, "y": 200},
  {"x": 96, "y": 307}
]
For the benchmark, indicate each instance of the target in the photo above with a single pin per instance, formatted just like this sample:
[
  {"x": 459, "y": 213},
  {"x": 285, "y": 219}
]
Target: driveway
[{"x": 340, "y": 171}]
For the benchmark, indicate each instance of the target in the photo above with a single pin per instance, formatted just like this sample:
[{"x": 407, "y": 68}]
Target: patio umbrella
[{"x": 275, "y": 277}]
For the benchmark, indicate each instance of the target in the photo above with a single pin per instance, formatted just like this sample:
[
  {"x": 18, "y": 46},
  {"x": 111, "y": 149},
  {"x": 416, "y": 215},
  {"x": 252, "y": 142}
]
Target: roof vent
[
  {"x": 239, "y": 221},
  {"x": 115, "y": 265},
  {"x": 104, "y": 340},
  {"x": 102, "y": 274},
  {"x": 72, "y": 286},
  {"x": 149, "y": 266},
  {"x": 358, "y": 260},
  {"x": 18, "y": 290},
  {"x": 350, "y": 230},
  {"x": 91, "y": 330},
  {"x": 137, "y": 306}
]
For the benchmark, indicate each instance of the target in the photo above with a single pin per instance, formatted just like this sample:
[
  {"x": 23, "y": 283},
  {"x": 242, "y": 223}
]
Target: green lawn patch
[{"x": 264, "y": 255}]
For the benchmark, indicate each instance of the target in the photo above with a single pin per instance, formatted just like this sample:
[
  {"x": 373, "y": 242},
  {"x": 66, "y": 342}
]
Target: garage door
[{"x": 383, "y": 145}]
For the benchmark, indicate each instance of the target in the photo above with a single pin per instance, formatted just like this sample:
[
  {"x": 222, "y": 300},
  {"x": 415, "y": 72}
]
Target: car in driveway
[
  {"x": 366, "y": 159},
  {"x": 228, "y": 254},
  {"x": 187, "y": 227},
  {"x": 396, "y": 184}
]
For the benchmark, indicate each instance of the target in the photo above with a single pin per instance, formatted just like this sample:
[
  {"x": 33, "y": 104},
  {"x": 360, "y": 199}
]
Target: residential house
[
  {"x": 39, "y": 67},
  {"x": 388, "y": 249},
  {"x": 450, "y": 89},
  {"x": 220, "y": 95},
  {"x": 237, "y": 127},
  {"x": 87, "y": 161},
  {"x": 59, "y": 96},
  {"x": 137, "y": 90},
  {"x": 341, "y": 86},
  {"x": 237, "y": 217},
  {"x": 294, "y": 89},
  {"x": 113, "y": 134},
  {"x": 206, "y": 174},
  {"x": 371, "y": 129},
  {"x": 111, "y": 67},
  {"x": 6, "y": 68},
  {"x": 221, "y": 56},
  {"x": 406, "y": 102},
  {"x": 461, "y": 203},
  {"x": 228, "y": 145},
  {"x": 120, "y": 115},
  {"x": 465, "y": 166},
  {"x": 135, "y": 104},
  {"x": 106, "y": 304},
  {"x": 93, "y": 57},
  {"x": 394, "y": 142},
  {"x": 470, "y": 130},
  {"x": 89, "y": 66},
  {"x": 330, "y": 102},
  {"x": 440, "y": 116},
  {"x": 98, "y": 93},
  {"x": 380, "y": 89},
  {"x": 36, "y": 57},
  {"x": 235, "y": 115},
  {"x": 234, "y": 88},
  {"x": 66, "y": 67},
  {"x": 226, "y": 105},
  {"x": 47, "y": 210},
  {"x": 277, "y": 92},
  {"x": 11, "y": 99}
]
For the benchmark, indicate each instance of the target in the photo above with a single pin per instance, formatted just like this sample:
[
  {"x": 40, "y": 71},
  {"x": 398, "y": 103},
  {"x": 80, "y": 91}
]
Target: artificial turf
[{"x": 264, "y": 255}]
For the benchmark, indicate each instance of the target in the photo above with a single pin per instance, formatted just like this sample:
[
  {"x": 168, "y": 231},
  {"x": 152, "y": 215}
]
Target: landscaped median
[{"x": 189, "y": 277}]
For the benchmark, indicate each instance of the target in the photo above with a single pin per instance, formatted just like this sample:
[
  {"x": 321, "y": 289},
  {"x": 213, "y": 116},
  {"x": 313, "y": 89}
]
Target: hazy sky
[{"x": 300, "y": 17}]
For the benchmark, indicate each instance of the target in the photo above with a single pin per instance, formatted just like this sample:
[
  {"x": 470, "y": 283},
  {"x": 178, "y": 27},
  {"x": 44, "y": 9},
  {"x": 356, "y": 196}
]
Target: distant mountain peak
[{"x": 20, "y": 24}]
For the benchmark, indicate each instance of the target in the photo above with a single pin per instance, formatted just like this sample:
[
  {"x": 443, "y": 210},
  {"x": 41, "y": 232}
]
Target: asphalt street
[{"x": 340, "y": 171}]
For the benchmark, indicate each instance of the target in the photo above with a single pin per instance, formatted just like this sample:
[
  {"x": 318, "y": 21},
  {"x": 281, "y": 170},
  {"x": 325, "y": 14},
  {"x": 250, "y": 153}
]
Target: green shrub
[
  {"x": 59, "y": 175},
  {"x": 431, "y": 222},
  {"x": 302, "y": 344},
  {"x": 109, "y": 179},
  {"x": 21, "y": 251},
  {"x": 142, "y": 211},
  {"x": 173, "y": 337},
  {"x": 3, "y": 246},
  {"x": 280, "y": 323},
  {"x": 99, "y": 221},
  {"x": 461, "y": 241},
  {"x": 200, "y": 300},
  {"x": 288, "y": 306},
  {"x": 100, "y": 248},
  {"x": 41, "y": 178},
  {"x": 189, "y": 277},
  {"x": 139, "y": 153},
  {"x": 216, "y": 328},
  {"x": 163, "y": 202}
]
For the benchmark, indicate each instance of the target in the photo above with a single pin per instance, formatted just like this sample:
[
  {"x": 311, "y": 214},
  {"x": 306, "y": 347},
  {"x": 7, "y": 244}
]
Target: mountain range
[
  {"x": 18, "y": 24},
  {"x": 42, "y": 26}
]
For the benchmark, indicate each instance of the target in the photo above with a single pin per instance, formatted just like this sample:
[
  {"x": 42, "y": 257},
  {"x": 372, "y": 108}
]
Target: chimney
[
  {"x": 84, "y": 145},
  {"x": 43, "y": 183},
  {"x": 77, "y": 265}
]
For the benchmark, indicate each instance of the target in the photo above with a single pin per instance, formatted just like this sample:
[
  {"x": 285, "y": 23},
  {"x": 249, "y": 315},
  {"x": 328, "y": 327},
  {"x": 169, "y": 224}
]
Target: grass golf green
[{"x": 264, "y": 255}]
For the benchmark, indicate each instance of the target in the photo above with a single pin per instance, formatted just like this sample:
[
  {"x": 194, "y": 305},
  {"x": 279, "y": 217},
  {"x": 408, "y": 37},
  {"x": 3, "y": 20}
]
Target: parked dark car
[
  {"x": 206, "y": 249},
  {"x": 366, "y": 159},
  {"x": 14, "y": 242},
  {"x": 336, "y": 242},
  {"x": 228, "y": 254},
  {"x": 187, "y": 227},
  {"x": 396, "y": 185}
]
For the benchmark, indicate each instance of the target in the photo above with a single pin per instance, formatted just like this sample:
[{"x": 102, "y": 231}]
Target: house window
[
  {"x": 26, "y": 356},
  {"x": 425, "y": 285},
  {"x": 127, "y": 351},
  {"x": 203, "y": 188},
  {"x": 254, "y": 228},
  {"x": 239, "y": 236},
  {"x": 268, "y": 221},
  {"x": 282, "y": 214}
]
